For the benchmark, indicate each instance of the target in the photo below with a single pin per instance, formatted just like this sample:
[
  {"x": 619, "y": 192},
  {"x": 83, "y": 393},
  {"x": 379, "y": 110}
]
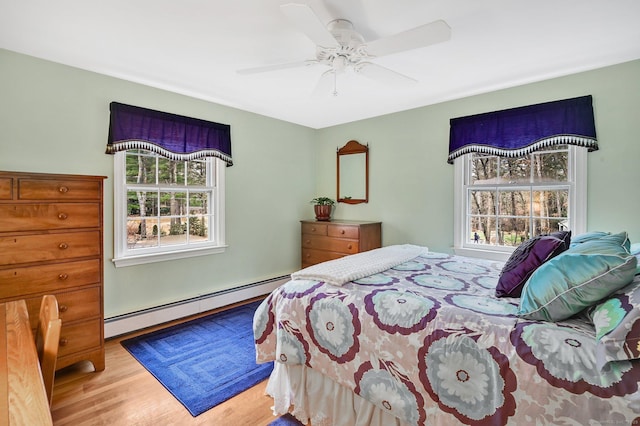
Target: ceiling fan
[{"x": 340, "y": 47}]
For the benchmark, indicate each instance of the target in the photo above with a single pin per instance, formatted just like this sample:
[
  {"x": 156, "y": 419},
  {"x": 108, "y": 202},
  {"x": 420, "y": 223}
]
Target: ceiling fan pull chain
[{"x": 335, "y": 83}]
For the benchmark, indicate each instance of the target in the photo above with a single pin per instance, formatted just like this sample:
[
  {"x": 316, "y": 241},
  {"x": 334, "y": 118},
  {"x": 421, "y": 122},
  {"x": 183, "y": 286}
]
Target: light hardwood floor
[{"x": 127, "y": 394}]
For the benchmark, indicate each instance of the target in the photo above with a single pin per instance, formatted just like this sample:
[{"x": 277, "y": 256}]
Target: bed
[{"x": 405, "y": 336}]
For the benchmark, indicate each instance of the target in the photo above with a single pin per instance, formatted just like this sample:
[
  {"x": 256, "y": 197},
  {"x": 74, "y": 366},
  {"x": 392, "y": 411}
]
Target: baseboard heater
[{"x": 126, "y": 323}]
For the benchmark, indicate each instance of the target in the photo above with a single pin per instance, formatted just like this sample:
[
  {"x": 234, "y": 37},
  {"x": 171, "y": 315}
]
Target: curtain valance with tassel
[
  {"x": 518, "y": 131},
  {"x": 173, "y": 136}
]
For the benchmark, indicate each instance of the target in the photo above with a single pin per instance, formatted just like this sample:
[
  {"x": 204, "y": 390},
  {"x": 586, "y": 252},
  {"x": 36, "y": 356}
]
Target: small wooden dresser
[
  {"x": 322, "y": 241},
  {"x": 51, "y": 243}
]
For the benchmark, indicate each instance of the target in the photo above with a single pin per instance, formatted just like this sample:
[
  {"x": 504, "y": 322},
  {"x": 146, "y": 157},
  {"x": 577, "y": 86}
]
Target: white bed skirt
[{"x": 311, "y": 396}]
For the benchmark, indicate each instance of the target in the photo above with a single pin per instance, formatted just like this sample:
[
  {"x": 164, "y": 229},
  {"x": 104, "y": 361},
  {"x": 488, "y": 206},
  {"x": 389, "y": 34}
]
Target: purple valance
[
  {"x": 519, "y": 131},
  {"x": 173, "y": 136}
]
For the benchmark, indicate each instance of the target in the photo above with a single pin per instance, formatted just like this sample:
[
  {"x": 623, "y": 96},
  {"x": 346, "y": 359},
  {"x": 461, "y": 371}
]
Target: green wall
[
  {"x": 54, "y": 118},
  {"x": 411, "y": 184}
]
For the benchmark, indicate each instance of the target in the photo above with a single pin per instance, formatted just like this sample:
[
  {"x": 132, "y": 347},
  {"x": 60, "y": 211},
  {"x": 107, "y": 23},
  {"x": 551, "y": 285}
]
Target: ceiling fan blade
[
  {"x": 424, "y": 35},
  {"x": 303, "y": 17},
  {"x": 276, "y": 67},
  {"x": 385, "y": 75}
]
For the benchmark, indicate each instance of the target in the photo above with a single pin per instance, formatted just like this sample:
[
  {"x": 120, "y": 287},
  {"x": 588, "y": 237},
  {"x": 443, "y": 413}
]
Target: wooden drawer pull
[
  {"x": 63, "y": 246},
  {"x": 62, "y": 216},
  {"x": 63, "y": 189},
  {"x": 64, "y": 341},
  {"x": 350, "y": 246},
  {"x": 63, "y": 277},
  {"x": 313, "y": 229},
  {"x": 342, "y": 231},
  {"x": 63, "y": 308}
]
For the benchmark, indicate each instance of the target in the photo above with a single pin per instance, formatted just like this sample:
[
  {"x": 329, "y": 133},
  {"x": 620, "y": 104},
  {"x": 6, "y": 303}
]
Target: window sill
[
  {"x": 161, "y": 257},
  {"x": 500, "y": 256}
]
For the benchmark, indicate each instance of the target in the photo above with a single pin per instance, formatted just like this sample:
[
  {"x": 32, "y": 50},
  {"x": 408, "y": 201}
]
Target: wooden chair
[{"x": 48, "y": 340}]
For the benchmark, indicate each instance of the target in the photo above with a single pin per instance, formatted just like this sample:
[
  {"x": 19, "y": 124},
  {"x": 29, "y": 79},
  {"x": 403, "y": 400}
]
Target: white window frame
[
  {"x": 577, "y": 182},
  {"x": 123, "y": 256}
]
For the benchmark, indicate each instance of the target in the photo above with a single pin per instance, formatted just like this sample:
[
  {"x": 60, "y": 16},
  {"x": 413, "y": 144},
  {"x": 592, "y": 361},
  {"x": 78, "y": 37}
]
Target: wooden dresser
[
  {"x": 51, "y": 243},
  {"x": 322, "y": 241}
]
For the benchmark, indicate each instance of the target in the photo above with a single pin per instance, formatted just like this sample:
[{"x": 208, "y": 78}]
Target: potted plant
[{"x": 322, "y": 207}]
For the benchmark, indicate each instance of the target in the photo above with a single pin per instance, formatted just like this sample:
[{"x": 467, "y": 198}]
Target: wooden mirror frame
[{"x": 354, "y": 147}]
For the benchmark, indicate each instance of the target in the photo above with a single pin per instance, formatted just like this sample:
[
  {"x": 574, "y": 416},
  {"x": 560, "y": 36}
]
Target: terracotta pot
[{"x": 323, "y": 212}]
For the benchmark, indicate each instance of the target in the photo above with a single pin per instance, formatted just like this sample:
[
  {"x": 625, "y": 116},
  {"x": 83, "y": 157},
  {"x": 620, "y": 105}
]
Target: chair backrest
[{"x": 48, "y": 340}]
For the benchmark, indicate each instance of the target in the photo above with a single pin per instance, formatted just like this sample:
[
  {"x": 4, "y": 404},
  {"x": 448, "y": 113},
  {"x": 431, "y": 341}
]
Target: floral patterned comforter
[{"x": 429, "y": 342}]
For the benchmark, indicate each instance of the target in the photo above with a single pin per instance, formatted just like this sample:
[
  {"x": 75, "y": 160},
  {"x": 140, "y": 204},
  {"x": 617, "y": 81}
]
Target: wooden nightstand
[{"x": 322, "y": 241}]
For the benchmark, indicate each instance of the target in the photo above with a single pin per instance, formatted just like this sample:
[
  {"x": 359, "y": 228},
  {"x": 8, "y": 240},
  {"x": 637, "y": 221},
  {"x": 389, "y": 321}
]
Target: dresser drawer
[
  {"x": 312, "y": 256},
  {"x": 331, "y": 244},
  {"x": 72, "y": 306},
  {"x": 344, "y": 231},
  {"x": 78, "y": 305},
  {"x": 6, "y": 184},
  {"x": 44, "y": 247},
  {"x": 38, "y": 217},
  {"x": 80, "y": 337},
  {"x": 314, "y": 228},
  {"x": 55, "y": 189},
  {"x": 48, "y": 278}
]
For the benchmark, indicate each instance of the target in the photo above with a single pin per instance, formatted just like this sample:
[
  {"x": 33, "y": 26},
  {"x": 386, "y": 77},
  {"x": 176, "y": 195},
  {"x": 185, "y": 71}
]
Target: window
[
  {"x": 166, "y": 209},
  {"x": 502, "y": 201}
]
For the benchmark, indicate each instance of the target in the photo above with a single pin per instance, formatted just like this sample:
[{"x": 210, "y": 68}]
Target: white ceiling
[{"x": 195, "y": 47}]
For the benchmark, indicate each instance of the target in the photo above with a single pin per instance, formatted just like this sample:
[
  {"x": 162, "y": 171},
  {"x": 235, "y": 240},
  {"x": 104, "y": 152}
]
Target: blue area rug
[
  {"x": 286, "y": 420},
  {"x": 205, "y": 361}
]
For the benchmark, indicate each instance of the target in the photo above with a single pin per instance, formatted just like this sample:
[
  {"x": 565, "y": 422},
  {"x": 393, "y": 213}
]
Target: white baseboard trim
[{"x": 127, "y": 323}]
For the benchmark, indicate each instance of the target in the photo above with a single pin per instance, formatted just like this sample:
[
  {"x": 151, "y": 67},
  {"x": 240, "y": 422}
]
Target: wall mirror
[{"x": 353, "y": 173}]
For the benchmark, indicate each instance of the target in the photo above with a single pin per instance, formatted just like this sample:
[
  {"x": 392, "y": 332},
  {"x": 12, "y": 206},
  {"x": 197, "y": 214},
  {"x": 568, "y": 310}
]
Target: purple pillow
[{"x": 527, "y": 258}]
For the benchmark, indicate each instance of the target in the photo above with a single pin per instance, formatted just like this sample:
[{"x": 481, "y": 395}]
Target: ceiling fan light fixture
[{"x": 339, "y": 63}]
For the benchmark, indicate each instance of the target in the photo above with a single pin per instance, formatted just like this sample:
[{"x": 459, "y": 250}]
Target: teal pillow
[
  {"x": 588, "y": 236},
  {"x": 635, "y": 250},
  {"x": 578, "y": 278}
]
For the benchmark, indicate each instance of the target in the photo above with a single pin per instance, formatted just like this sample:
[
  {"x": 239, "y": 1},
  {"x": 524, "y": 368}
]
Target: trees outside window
[
  {"x": 503, "y": 201},
  {"x": 167, "y": 208}
]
